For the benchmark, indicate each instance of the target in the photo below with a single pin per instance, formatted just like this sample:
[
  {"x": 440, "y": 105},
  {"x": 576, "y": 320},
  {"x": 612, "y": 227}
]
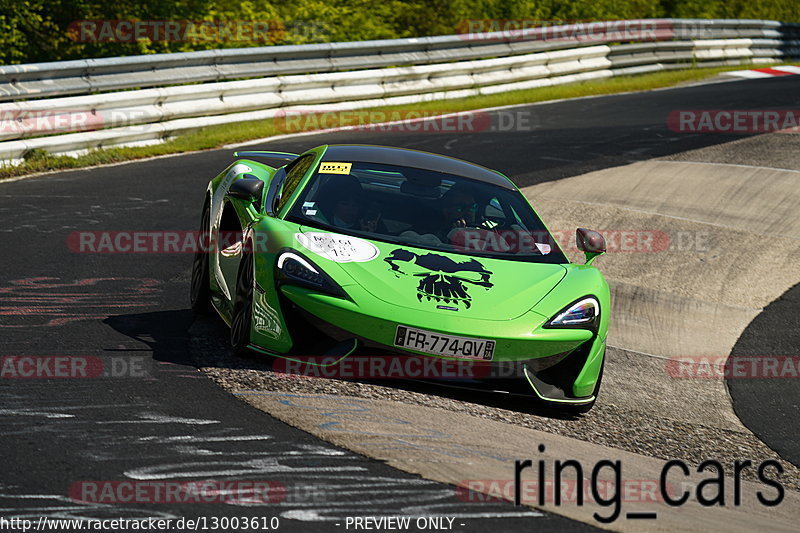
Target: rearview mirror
[
  {"x": 248, "y": 188},
  {"x": 591, "y": 243}
]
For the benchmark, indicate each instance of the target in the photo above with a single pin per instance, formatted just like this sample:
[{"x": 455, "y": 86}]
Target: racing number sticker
[
  {"x": 338, "y": 248},
  {"x": 335, "y": 168}
]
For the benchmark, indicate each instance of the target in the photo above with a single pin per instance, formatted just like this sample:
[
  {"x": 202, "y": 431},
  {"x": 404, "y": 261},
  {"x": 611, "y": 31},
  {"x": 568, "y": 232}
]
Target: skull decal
[{"x": 441, "y": 278}]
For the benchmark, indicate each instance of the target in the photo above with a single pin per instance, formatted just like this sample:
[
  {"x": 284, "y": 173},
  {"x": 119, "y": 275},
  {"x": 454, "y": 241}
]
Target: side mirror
[
  {"x": 590, "y": 243},
  {"x": 248, "y": 188}
]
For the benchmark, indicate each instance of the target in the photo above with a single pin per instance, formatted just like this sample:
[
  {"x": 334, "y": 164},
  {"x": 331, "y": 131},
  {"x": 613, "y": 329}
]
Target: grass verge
[{"x": 216, "y": 136}]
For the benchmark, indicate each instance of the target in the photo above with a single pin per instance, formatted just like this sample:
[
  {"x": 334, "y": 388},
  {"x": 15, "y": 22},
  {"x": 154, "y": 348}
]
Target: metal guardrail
[
  {"x": 340, "y": 76},
  {"x": 95, "y": 75}
]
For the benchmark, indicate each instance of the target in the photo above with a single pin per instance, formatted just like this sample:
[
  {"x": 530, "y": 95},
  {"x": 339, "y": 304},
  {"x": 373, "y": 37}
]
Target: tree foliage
[{"x": 39, "y": 30}]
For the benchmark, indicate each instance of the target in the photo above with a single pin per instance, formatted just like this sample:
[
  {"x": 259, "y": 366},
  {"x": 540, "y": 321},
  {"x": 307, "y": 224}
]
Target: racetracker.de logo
[
  {"x": 15, "y": 123},
  {"x": 569, "y": 491},
  {"x": 178, "y": 492},
  {"x": 71, "y": 367},
  {"x": 514, "y": 241},
  {"x": 734, "y": 367},
  {"x": 219, "y": 31},
  {"x": 44, "y": 367},
  {"x": 163, "y": 242},
  {"x": 734, "y": 121},
  {"x": 564, "y": 30},
  {"x": 29, "y": 121},
  {"x": 404, "y": 120},
  {"x": 382, "y": 367}
]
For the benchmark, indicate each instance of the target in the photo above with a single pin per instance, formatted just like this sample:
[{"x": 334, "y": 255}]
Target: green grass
[{"x": 216, "y": 136}]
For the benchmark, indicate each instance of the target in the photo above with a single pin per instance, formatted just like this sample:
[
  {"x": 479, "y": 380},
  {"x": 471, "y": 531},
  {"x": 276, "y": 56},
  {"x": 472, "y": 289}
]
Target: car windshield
[{"x": 425, "y": 209}]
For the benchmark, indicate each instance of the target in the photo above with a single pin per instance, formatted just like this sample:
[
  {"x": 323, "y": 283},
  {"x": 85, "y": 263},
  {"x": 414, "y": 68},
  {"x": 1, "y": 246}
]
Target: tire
[
  {"x": 200, "y": 292},
  {"x": 242, "y": 318}
]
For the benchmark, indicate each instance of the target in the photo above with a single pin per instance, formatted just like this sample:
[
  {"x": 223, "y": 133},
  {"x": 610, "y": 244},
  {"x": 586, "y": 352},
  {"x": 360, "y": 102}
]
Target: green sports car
[{"x": 358, "y": 250}]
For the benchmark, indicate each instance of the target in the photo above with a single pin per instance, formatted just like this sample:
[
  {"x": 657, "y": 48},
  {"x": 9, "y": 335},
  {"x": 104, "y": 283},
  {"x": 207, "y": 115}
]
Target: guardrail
[{"x": 340, "y": 76}]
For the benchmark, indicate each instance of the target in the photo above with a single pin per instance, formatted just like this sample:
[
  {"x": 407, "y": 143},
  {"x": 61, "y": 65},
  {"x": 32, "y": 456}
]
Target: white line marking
[
  {"x": 192, "y": 438},
  {"x": 788, "y": 68},
  {"x": 161, "y": 419},
  {"x": 31, "y": 412},
  {"x": 750, "y": 74}
]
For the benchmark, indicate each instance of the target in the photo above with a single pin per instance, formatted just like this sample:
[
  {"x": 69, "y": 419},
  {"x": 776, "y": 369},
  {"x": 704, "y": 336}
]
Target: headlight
[
  {"x": 585, "y": 313},
  {"x": 296, "y": 269}
]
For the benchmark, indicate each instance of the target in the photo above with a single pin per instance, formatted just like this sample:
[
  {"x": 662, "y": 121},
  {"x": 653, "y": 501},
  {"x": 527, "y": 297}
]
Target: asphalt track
[{"x": 170, "y": 422}]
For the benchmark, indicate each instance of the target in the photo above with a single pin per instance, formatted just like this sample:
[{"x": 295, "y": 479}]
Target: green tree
[{"x": 38, "y": 30}]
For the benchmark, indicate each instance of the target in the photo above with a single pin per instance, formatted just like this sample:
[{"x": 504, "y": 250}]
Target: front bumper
[{"x": 556, "y": 365}]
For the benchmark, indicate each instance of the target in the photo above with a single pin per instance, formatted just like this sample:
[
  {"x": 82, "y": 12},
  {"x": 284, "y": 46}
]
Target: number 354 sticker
[{"x": 339, "y": 248}]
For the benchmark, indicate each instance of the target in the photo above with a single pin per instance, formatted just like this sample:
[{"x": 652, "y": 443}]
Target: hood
[{"x": 434, "y": 281}]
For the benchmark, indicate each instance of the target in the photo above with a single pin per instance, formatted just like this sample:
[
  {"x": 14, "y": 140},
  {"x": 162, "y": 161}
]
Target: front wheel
[
  {"x": 200, "y": 293},
  {"x": 243, "y": 307}
]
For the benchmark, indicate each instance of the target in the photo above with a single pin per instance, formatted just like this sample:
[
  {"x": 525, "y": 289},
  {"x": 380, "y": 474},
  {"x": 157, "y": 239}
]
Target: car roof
[{"x": 367, "y": 153}]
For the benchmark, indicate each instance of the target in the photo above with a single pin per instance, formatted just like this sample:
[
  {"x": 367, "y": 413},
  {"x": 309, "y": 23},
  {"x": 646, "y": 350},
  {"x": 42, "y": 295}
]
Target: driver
[{"x": 459, "y": 210}]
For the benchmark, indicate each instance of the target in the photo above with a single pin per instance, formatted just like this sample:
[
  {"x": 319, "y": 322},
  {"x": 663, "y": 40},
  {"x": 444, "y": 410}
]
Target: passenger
[{"x": 457, "y": 209}]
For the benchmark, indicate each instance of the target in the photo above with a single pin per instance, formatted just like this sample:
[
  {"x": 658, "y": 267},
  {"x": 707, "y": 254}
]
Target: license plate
[{"x": 431, "y": 342}]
